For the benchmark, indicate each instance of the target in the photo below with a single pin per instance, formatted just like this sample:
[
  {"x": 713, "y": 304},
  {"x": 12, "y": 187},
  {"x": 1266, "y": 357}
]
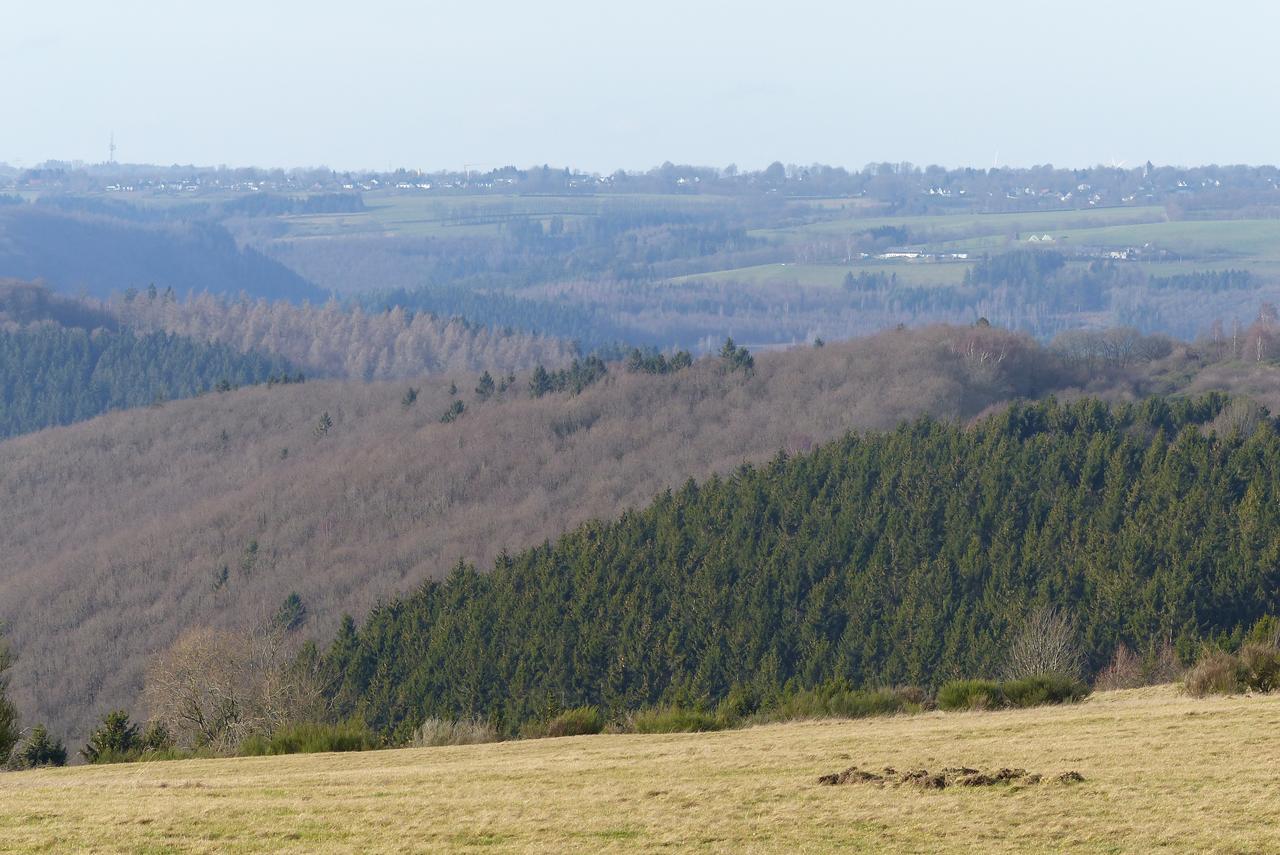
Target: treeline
[
  {"x": 24, "y": 303},
  {"x": 52, "y": 375},
  {"x": 906, "y": 186},
  {"x": 584, "y": 324},
  {"x": 334, "y": 341},
  {"x": 906, "y": 557}
]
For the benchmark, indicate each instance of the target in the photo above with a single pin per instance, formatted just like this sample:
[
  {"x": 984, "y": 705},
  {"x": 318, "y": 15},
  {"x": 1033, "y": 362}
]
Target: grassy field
[
  {"x": 424, "y": 215},
  {"x": 911, "y": 273},
  {"x": 942, "y": 226},
  {"x": 1161, "y": 772}
]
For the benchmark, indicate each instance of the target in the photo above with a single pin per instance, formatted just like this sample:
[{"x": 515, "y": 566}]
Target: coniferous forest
[
  {"x": 909, "y": 556},
  {"x": 52, "y": 375}
]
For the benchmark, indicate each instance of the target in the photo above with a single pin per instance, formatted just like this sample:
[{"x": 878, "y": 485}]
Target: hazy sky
[{"x": 600, "y": 84}]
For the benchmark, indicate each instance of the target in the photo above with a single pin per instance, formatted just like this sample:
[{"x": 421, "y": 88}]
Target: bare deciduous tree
[
  {"x": 214, "y": 688},
  {"x": 1046, "y": 644}
]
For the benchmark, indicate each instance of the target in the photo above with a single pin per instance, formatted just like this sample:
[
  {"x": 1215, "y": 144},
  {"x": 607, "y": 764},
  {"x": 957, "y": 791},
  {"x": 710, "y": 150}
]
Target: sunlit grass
[{"x": 1162, "y": 771}]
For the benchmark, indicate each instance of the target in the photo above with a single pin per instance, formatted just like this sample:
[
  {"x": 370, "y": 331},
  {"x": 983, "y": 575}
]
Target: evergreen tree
[
  {"x": 485, "y": 388},
  {"x": 115, "y": 740},
  {"x": 895, "y": 558},
  {"x": 292, "y": 613},
  {"x": 40, "y": 749},
  {"x": 540, "y": 382}
]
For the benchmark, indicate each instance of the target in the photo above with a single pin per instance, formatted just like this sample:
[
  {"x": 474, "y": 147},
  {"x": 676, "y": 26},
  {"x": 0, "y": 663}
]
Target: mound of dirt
[{"x": 952, "y": 776}]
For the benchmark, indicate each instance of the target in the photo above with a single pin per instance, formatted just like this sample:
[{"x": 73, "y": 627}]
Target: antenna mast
[{"x": 112, "y": 149}]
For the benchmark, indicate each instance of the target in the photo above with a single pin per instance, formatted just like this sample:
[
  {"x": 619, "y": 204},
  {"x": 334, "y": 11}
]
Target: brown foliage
[
  {"x": 120, "y": 533},
  {"x": 335, "y": 342},
  {"x": 214, "y": 688}
]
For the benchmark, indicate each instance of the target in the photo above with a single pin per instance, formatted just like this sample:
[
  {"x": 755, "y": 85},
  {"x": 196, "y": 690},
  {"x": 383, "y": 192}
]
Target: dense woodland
[
  {"x": 224, "y": 506},
  {"x": 332, "y": 341},
  {"x": 903, "y": 557},
  {"x": 52, "y": 375}
]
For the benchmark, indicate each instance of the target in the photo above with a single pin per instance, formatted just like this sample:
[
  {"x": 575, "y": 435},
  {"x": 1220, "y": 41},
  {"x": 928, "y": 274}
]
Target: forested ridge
[
  {"x": 52, "y": 375},
  {"x": 900, "y": 557}
]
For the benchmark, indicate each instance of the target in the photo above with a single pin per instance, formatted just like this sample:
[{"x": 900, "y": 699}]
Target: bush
[
  {"x": 970, "y": 695},
  {"x": 1217, "y": 673},
  {"x": 1124, "y": 672},
  {"x": 836, "y": 701},
  {"x": 1259, "y": 667},
  {"x": 672, "y": 719},
  {"x": 441, "y": 731},
  {"x": 1044, "y": 689},
  {"x": 310, "y": 738},
  {"x": 40, "y": 749},
  {"x": 576, "y": 722}
]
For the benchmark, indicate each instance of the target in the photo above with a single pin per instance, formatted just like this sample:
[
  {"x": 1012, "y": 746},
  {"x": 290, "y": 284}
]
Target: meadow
[{"x": 1161, "y": 771}]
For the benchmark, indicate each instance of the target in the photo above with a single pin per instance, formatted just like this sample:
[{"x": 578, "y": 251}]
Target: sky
[{"x": 601, "y": 85}]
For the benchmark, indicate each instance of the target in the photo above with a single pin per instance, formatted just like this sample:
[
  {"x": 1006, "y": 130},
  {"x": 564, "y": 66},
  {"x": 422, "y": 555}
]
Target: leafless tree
[
  {"x": 214, "y": 688},
  {"x": 1046, "y": 644}
]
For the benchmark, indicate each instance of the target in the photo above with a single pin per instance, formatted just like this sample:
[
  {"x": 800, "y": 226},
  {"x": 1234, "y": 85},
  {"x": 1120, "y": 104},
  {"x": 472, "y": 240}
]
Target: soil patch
[{"x": 952, "y": 776}]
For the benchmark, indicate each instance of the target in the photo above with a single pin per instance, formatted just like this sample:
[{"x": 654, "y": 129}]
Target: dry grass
[{"x": 1162, "y": 772}]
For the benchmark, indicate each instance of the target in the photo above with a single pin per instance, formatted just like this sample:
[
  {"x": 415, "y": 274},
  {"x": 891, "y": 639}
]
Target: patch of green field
[
  {"x": 942, "y": 227},
  {"x": 423, "y": 214},
  {"x": 912, "y": 273},
  {"x": 1258, "y": 240}
]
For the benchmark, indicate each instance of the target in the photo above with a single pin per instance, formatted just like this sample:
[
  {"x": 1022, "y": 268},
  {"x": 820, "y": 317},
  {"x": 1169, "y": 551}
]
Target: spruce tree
[{"x": 116, "y": 740}]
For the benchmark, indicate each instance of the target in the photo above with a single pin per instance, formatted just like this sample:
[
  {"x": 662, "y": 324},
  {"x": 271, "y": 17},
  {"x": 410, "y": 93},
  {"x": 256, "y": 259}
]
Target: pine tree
[
  {"x": 116, "y": 740},
  {"x": 41, "y": 749},
  {"x": 322, "y": 426},
  {"x": 292, "y": 613},
  {"x": 484, "y": 389},
  {"x": 540, "y": 382}
]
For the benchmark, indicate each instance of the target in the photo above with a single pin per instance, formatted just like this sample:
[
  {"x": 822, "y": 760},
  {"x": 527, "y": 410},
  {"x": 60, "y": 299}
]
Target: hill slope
[
  {"x": 55, "y": 376},
  {"x": 1161, "y": 771},
  {"x": 119, "y": 532},
  {"x": 104, "y": 254},
  {"x": 905, "y": 557}
]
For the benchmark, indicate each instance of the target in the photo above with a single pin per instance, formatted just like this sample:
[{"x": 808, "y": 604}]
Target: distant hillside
[
  {"x": 97, "y": 254},
  {"x": 906, "y": 557},
  {"x": 333, "y": 341},
  {"x": 121, "y": 531},
  {"x": 51, "y": 375}
]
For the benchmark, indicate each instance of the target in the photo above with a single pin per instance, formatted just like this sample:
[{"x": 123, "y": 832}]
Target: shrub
[
  {"x": 576, "y": 722},
  {"x": 836, "y": 701},
  {"x": 672, "y": 719},
  {"x": 40, "y": 749},
  {"x": 1124, "y": 671},
  {"x": 310, "y": 738},
  {"x": 969, "y": 695},
  {"x": 1044, "y": 689},
  {"x": 1217, "y": 673},
  {"x": 1259, "y": 667},
  {"x": 441, "y": 731},
  {"x": 1265, "y": 632}
]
